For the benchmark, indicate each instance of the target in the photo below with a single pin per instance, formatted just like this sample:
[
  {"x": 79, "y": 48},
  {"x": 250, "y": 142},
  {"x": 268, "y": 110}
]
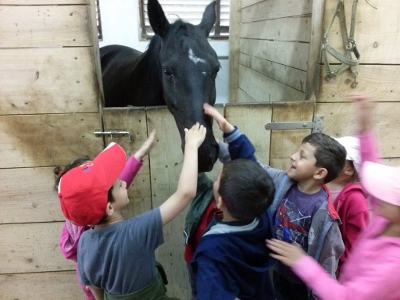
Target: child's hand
[
  {"x": 364, "y": 108},
  {"x": 287, "y": 253},
  {"x": 147, "y": 146},
  {"x": 195, "y": 135},
  {"x": 224, "y": 125}
]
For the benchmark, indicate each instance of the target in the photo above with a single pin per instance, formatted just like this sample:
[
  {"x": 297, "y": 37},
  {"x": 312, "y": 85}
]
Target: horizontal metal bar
[
  {"x": 99, "y": 133},
  {"x": 288, "y": 125}
]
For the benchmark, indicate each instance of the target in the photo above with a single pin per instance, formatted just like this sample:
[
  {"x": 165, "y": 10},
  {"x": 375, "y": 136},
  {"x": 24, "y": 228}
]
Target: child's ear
[
  {"x": 348, "y": 170},
  {"x": 220, "y": 203},
  {"x": 109, "y": 209},
  {"x": 321, "y": 173}
]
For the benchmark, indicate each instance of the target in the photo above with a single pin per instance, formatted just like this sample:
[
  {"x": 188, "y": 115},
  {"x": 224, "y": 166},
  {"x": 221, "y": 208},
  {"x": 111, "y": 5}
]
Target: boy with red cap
[
  {"x": 116, "y": 258},
  {"x": 371, "y": 268}
]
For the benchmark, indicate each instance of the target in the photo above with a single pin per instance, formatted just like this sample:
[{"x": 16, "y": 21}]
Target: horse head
[{"x": 189, "y": 66}]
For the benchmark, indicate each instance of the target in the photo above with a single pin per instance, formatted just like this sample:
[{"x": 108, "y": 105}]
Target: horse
[{"x": 178, "y": 69}]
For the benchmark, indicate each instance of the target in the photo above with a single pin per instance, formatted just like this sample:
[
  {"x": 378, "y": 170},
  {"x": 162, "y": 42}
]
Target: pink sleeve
[
  {"x": 377, "y": 282},
  {"x": 132, "y": 166},
  {"x": 69, "y": 239},
  {"x": 369, "y": 147},
  {"x": 369, "y": 152}
]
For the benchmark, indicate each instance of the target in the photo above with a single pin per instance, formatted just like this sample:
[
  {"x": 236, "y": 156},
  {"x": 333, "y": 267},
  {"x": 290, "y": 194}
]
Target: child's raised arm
[
  {"x": 187, "y": 184},
  {"x": 134, "y": 162}
]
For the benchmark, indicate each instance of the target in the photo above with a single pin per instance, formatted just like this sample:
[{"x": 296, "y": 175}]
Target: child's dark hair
[
  {"x": 60, "y": 171},
  {"x": 246, "y": 188},
  {"x": 329, "y": 154}
]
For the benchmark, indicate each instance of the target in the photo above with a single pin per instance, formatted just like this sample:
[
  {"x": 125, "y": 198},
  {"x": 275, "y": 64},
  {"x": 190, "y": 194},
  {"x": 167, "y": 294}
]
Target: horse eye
[
  {"x": 215, "y": 71},
  {"x": 168, "y": 72}
]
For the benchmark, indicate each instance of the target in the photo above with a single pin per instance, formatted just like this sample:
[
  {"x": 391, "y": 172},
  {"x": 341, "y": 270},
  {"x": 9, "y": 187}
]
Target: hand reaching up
[
  {"x": 147, "y": 146},
  {"x": 224, "y": 125},
  {"x": 195, "y": 136},
  {"x": 364, "y": 108}
]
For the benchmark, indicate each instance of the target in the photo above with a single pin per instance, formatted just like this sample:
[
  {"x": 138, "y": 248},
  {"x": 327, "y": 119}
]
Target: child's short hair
[
  {"x": 329, "y": 154},
  {"x": 246, "y": 188}
]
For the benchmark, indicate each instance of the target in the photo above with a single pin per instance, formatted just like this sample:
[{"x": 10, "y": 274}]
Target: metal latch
[
  {"x": 112, "y": 133},
  {"x": 316, "y": 125}
]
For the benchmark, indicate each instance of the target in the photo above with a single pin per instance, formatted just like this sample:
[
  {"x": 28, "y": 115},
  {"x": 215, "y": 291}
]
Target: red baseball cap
[{"x": 83, "y": 191}]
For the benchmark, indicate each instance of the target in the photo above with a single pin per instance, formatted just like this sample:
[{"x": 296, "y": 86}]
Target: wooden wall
[
  {"x": 266, "y": 63},
  {"x": 377, "y": 34},
  {"x": 269, "y": 50},
  {"x": 49, "y": 98}
]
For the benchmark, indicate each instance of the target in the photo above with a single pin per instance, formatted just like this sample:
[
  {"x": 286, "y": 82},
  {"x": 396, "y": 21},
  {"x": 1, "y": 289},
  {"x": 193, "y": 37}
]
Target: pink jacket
[
  {"x": 372, "y": 268},
  {"x": 71, "y": 233}
]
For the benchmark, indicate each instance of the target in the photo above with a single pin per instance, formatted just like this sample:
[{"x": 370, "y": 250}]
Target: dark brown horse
[{"x": 178, "y": 70}]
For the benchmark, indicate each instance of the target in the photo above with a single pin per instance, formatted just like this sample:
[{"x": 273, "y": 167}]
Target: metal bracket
[
  {"x": 112, "y": 133},
  {"x": 316, "y": 125}
]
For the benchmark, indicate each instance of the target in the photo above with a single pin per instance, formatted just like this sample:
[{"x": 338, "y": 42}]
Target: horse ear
[
  {"x": 157, "y": 18},
  {"x": 208, "y": 19}
]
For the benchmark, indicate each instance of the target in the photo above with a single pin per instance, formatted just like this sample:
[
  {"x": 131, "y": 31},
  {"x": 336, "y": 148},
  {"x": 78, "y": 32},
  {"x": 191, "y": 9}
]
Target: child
[
  {"x": 302, "y": 211},
  {"x": 116, "y": 258},
  {"x": 348, "y": 198},
  {"x": 371, "y": 269},
  {"x": 231, "y": 261},
  {"x": 203, "y": 207},
  {"x": 71, "y": 233}
]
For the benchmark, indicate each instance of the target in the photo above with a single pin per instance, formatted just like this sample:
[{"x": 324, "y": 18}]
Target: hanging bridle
[{"x": 349, "y": 44}]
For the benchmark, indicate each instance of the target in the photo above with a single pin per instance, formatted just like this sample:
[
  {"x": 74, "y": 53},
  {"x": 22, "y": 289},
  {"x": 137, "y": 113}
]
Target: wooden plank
[
  {"x": 27, "y": 248},
  {"x": 41, "y": 2},
  {"x": 340, "y": 120},
  {"x": 313, "y": 78},
  {"x": 291, "y": 54},
  {"x": 264, "y": 89},
  {"x": 379, "y": 81},
  {"x": 292, "y": 77},
  {"x": 27, "y": 195},
  {"x": 39, "y": 286},
  {"x": 234, "y": 49},
  {"x": 44, "y": 26},
  {"x": 246, "y": 3},
  {"x": 47, "y": 140},
  {"x": 134, "y": 121},
  {"x": 250, "y": 120},
  {"x": 165, "y": 166},
  {"x": 376, "y": 31},
  {"x": 243, "y": 97},
  {"x": 286, "y": 142},
  {"x": 273, "y": 9},
  {"x": 53, "y": 80},
  {"x": 278, "y": 29}
]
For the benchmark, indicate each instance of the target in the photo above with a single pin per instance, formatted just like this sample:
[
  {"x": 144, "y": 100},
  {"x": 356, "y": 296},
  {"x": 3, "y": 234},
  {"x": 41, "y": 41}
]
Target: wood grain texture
[
  {"x": 47, "y": 140},
  {"x": 273, "y": 9},
  {"x": 376, "y": 31},
  {"x": 134, "y": 121},
  {"x": 44, "y": 26},
  {"x": 264, "y": 89},
  {"x": 34, "y": 247},
  {"x": 28, "y": 196},
  {"x": 39, "y": 286},
  {"x": 57, "y": 80},
  {"x": 381, "y": 82},
  {"x": 340, "y": 120},
  {"x": 286, "y": 142}
]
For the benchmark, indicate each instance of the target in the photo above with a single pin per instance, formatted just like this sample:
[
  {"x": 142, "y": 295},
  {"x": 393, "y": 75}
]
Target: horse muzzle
[{"x": 208, "y": 154}]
